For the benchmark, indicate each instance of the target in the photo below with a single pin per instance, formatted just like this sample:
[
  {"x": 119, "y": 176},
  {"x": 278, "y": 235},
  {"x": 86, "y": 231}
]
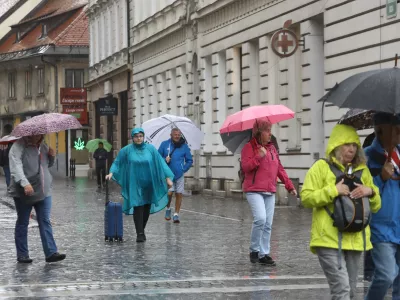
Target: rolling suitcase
[{"x": 113, "y": 226}]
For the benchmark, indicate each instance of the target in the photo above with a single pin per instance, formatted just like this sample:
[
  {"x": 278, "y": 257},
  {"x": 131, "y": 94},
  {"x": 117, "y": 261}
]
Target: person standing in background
[
  {"x": 4, "y": 160},
  {"x": 100, "y": 155}
]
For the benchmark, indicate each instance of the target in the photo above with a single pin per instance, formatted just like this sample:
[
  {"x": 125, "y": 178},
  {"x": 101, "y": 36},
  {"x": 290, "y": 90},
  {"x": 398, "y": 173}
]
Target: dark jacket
[
  {"x": 100, "y": 155},
  {"x": 4, "y": 151}
]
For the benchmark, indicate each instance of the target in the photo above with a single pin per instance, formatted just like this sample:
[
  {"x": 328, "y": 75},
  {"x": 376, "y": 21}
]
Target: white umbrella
[{"x": 158, "y": 130}]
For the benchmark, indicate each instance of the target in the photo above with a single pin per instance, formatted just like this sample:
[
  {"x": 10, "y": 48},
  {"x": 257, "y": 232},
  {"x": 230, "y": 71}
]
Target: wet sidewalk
[{"x": 204, "y": 257}]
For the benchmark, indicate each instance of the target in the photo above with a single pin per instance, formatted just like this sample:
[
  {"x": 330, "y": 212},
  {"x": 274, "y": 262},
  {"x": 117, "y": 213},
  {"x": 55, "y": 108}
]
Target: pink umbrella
[
  {"x": 244, "y": 119},
  {"x": 8, "y": 139},
  {"x": 46, "y": 123}
]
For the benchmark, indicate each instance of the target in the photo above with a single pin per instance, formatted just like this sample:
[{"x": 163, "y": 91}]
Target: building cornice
[
  {"x": 109, "y": 64},
  {"x": 98, "y": 6},
  {"x": 154, "y": 38},
  {"x": 107, "y": 76},
  {"x": 158, "y": 14}
]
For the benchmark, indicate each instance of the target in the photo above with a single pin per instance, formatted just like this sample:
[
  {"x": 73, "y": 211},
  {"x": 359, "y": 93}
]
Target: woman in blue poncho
[{"x": 144, "y": 178}]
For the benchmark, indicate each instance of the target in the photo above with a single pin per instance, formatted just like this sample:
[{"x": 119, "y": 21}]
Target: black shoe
[
  {"x": 267, "y": 260},
  {"x": 99, "y": 186},
  {"x": 56, "y": 257},
  {"x": 24, "y": 260},
  {"x": 140, "y": 238},
  {"x": 254, "y": 257}
]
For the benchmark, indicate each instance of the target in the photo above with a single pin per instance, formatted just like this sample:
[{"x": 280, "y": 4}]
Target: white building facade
[
  {"x": 207, "y": 59},
  {"x": 109, "y": 71}
]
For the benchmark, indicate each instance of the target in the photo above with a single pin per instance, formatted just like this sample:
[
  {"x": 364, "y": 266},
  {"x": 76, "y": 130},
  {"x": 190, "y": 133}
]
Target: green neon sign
[{"x": 79, "y": 144}]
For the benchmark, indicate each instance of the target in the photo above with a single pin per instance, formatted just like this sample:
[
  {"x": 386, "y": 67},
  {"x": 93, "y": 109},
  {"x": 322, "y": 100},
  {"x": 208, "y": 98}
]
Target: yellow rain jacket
[{"x": 319, "y": 190}]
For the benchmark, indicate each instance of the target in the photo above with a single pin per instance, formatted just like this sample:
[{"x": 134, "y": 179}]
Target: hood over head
[{"x": 340, "y": 135}]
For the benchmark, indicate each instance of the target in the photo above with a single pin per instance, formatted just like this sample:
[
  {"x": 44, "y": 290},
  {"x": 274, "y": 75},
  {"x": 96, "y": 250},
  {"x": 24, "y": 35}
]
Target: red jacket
[{"x": 269, "y": 168}]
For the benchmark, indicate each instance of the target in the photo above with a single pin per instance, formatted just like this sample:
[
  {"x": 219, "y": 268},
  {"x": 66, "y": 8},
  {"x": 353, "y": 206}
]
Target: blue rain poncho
[{"x": 141, "y": 172}]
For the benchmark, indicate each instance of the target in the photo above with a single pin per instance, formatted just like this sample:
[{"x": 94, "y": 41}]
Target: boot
[{"x": 138, "y": 219}]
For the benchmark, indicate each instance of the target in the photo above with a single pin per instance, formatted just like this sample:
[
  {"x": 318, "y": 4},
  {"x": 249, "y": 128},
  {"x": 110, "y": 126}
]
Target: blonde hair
[
  {"x": 260, "y": 126},
  {"x": 359, "y": 158}
]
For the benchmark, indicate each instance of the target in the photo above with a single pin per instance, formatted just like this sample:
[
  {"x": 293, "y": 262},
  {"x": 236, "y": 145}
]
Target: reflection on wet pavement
[{"x": 204, "y": 257}]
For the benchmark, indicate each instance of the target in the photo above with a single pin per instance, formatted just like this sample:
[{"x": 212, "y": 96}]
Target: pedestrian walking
[
  {"x": 177, "y": 155},
  {"x": 144, "y": 178},
  {"x": 385, "y": 224},
  {"x": 368, "y": 261},
  {"x": 31, "y": 181},
  {"x": 339, "y": 252},
  {"x": 100, "y": 156},
  {"x": 4, "y": 160},
  {"x": 261, "y": 166}
]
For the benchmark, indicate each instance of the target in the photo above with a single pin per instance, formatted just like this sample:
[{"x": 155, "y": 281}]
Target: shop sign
[
  {"x": 107, "y": 106},
  {"x": 78, "y": 111},
  {"x": 73, "y": 96}
]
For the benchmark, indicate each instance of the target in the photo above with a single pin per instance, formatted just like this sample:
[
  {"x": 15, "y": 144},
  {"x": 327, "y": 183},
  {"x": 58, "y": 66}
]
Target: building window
[
  {"x": 11, "y": 84},
  {"x": 17, "y": 36},
  {"x": 28, "y": 83},
  {"x": 74, "y": 78},
  {"x": 41, "y": 81},
  {"x": 44, "y": 31}
]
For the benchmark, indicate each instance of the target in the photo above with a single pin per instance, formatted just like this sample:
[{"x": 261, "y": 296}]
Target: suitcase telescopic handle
[{"x": 107, "y": 193}]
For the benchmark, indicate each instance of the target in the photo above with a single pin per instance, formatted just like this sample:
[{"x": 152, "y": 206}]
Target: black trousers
[
  {"x": 141, "y": 215},
  {"x": 101, "y": 174}
]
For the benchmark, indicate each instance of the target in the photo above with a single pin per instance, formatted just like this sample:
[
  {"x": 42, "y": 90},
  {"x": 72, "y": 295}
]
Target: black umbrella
[
  {"x": 358, "y": 118},
  {"x": 236, "y": 140},
  {"x": 377, "y": 90}
]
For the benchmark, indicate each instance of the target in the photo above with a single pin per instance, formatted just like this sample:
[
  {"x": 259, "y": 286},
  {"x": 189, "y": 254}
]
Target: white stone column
[
  {"x": 264, "y": 65},
  {"x": 125, "y": 25},
  {"x": 219, "y": 97},
  {"x": 250, "y": 74},
  {"x": 171, "y": 89},
  {"x": 137, "y": 105},
  {"x": 181, "y": 90},
  {"x": 117, "y": 27},
  {"x": 314, "y": 59},
  {"x": 206, "y": 100},
  {"x": 110, "y": 31},
  {"x": 97, "y": 34},
  {"x": 273, "y": 81},
  {"x": 294, "y": 99},
  {"x": 92, "y": 42},
  {"x": 233, "y": 79},
  {"x": 144, "y": 100},
  {"x": 152, "y": 97},
  {"x": 162, "y": 94}
]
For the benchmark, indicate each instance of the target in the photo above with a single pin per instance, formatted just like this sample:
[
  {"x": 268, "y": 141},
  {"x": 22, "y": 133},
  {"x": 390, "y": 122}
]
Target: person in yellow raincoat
[{"x": 319, "y": 190}]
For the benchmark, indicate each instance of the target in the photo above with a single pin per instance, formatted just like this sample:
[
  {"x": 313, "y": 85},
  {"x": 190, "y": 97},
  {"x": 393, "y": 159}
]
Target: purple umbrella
[{"x": 46, "y": 123}]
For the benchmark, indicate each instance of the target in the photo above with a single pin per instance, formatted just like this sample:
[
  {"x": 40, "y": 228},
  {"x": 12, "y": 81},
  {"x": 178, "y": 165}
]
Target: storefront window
[{"x": 78, "y": 140}]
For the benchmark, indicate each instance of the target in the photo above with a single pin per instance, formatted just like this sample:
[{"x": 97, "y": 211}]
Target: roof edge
[{"x": 41, "y": 18}]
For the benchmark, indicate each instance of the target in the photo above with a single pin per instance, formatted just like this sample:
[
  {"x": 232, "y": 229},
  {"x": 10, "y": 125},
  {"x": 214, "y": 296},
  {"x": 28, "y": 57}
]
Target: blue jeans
[
  {"x": 7, "y": 174},
  {"x": 263, "y": 207},
  {"x": 42, "y": 209},
  {"x": 386, "y": 258}
]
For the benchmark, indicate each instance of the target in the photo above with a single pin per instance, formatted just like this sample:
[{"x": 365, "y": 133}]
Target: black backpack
[
  {"x": 349, "y": 215},
  {"x": 241, "y": 173}
]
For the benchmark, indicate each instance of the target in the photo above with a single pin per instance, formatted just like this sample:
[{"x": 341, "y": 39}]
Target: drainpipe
[{"x": 55, "y": 97}]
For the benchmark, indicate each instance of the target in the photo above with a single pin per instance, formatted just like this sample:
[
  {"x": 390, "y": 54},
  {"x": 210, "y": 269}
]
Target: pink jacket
[{"x": 269, "y": 168}]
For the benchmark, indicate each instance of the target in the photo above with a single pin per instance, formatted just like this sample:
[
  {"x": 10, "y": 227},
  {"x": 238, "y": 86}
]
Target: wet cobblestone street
[{"x": 204, "y": 257}]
